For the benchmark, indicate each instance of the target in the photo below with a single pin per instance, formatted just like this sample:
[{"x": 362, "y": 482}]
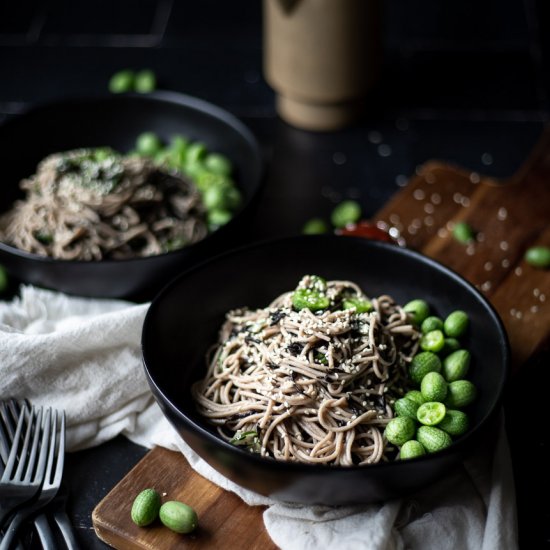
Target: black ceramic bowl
[
  {"x": 183, "y": 321},
  {"x": 116, "y": 121}
]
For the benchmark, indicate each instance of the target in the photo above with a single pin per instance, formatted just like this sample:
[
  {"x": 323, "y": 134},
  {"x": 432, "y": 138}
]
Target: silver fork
[
  {"x": 9, "y": 413},
  {"x": 25, "y": 469},
  {"x": 52, "y": 478}
]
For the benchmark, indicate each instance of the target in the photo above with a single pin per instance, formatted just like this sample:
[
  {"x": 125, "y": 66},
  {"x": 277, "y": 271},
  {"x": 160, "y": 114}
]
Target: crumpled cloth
[{"x": 83, "y": 355}]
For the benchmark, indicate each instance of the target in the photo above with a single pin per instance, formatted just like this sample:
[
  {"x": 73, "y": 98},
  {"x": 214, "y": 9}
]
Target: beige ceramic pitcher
[{"x": 321, "y": 57}]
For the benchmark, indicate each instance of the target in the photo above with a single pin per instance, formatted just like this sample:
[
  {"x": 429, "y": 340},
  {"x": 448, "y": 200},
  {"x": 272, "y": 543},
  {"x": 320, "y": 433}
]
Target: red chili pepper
[{"x": 366, "y": 230}]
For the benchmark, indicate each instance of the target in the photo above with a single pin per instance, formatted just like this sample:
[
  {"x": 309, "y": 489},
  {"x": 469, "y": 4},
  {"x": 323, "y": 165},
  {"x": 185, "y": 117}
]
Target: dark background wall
[{"x": 439, "y": 55}]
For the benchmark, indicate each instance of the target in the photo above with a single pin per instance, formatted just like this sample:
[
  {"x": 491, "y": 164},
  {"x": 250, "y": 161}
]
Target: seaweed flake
[
  {"x": 380, "y": 402},
  {"x": 296, "y": 386},
  {"x": 296, "y": 348},
  {"x": 277, "y": 316}
]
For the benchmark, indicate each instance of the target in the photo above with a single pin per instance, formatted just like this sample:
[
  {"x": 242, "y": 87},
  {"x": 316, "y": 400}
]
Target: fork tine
[
  {"x": 38, "y": 474},
  {"x": 60, "y": 453},
  {"x": 14, "y": 447},
  {"x": 10, "y": 411},
  {"x": 5, "y": 444},
  {"x": 15, "y": 409},
  {"x": 5, "y": 420},
  {"x": 27, "y": 458},
  {"x": 52, "y": 448}
]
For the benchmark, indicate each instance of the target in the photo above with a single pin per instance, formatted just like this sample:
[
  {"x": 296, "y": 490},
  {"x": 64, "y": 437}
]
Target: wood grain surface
[
  {"x": 225, "y": 521},
  {"x": 507, "y": 217}
]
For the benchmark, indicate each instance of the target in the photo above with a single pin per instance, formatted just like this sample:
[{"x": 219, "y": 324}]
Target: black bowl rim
[
  {"x": 160, "y": 96},
  {"x": 295, "y": 467}
]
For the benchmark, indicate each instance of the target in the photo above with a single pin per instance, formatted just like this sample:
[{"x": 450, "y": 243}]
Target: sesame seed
[
  {"x": 470, "y": 250},
  {"x": 419, "y": 194},
  {"x": 428, "y": 221},
  {"x": 505, "y": 263},
  {"x": 519, "y": 314},
  {"x": 412, "y": 230},
  {"x": 518, "y": 271},
  {"x": 542, "y": 297},
  {"x": 394, "y": 218},
  {"x": 457, "y": 197},
  {"x": 416, "y": 223},
  {"x": 465, "y": 202},
  {"x": 474, "y": 177},
  {"x": 536, "y": 292},
  {"x": 504, "y": 245},
  {"x": 488, "y": 266},
  {"x": 430, "y": 178},
  {"x": 442, "y": 232},
  {"x": 429, "y": 208},
  {"x": 534, "y": 309}
]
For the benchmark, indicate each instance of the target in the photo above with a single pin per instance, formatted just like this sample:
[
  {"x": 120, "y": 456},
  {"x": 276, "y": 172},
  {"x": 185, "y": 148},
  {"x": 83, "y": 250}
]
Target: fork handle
[
  {"x": 66, "y": 529},
  {"x": 44, "y": 532},
  {"x": 11, "y": 531}
]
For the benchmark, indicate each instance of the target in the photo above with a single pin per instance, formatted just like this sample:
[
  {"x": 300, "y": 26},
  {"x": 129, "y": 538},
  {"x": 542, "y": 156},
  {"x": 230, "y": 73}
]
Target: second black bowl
[
  {"x": 183, "y": 321},
  {"x": 116, "y": 121}
]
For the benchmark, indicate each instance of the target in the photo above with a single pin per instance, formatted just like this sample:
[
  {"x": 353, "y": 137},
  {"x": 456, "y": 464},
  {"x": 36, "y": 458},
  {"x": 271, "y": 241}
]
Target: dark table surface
[{"x": 468, "y": 87}]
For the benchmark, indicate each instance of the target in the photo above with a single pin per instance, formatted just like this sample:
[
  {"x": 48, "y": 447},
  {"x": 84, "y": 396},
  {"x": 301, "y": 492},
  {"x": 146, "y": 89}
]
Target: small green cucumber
[
  {"x": 178, "y": 517},
  {"x": 456, "y": 365},
  {"x": 145, "y": 508}
]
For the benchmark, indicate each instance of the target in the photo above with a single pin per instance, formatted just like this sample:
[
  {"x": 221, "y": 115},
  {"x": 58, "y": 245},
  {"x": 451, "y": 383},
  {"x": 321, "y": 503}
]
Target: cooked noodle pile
[
  {"x": 306, "y": 386},
  {"x": 79, "y": 207}
]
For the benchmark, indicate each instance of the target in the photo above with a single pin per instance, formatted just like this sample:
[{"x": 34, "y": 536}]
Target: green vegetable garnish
[
  {"x": 315, "y": 226},
  {"x": 148, "y": 144},
  {"x": 345, "y": 213},
  {"x": 303, "y": 298},
  {"x": 145, "y": 81},
  {"x": 99, "y": 169},
  {"x": 538, "y": 256},
  {"x": 246, "y": 439},
  {"x": 418, "y": 310},
  {"x": 361, "y": 306},
  {"x": 122, "y": 82},
  {"x": 217, "y": 218},
  {"x": 218, "y": 164},
  {"x": 463, "y": 233}
]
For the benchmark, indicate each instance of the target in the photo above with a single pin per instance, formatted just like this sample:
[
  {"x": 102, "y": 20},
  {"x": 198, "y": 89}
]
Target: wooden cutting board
[{"x": 507, "y": 216}]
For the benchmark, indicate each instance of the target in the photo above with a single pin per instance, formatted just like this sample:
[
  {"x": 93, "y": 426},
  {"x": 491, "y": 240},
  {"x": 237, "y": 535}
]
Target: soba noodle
[
  {"x": 314, "y": 387},
  {"x": 91, "y": 204}
]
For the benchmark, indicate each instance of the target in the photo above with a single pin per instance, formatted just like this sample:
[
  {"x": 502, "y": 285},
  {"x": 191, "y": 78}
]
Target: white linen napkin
[{"x": 83, "y": 355}]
